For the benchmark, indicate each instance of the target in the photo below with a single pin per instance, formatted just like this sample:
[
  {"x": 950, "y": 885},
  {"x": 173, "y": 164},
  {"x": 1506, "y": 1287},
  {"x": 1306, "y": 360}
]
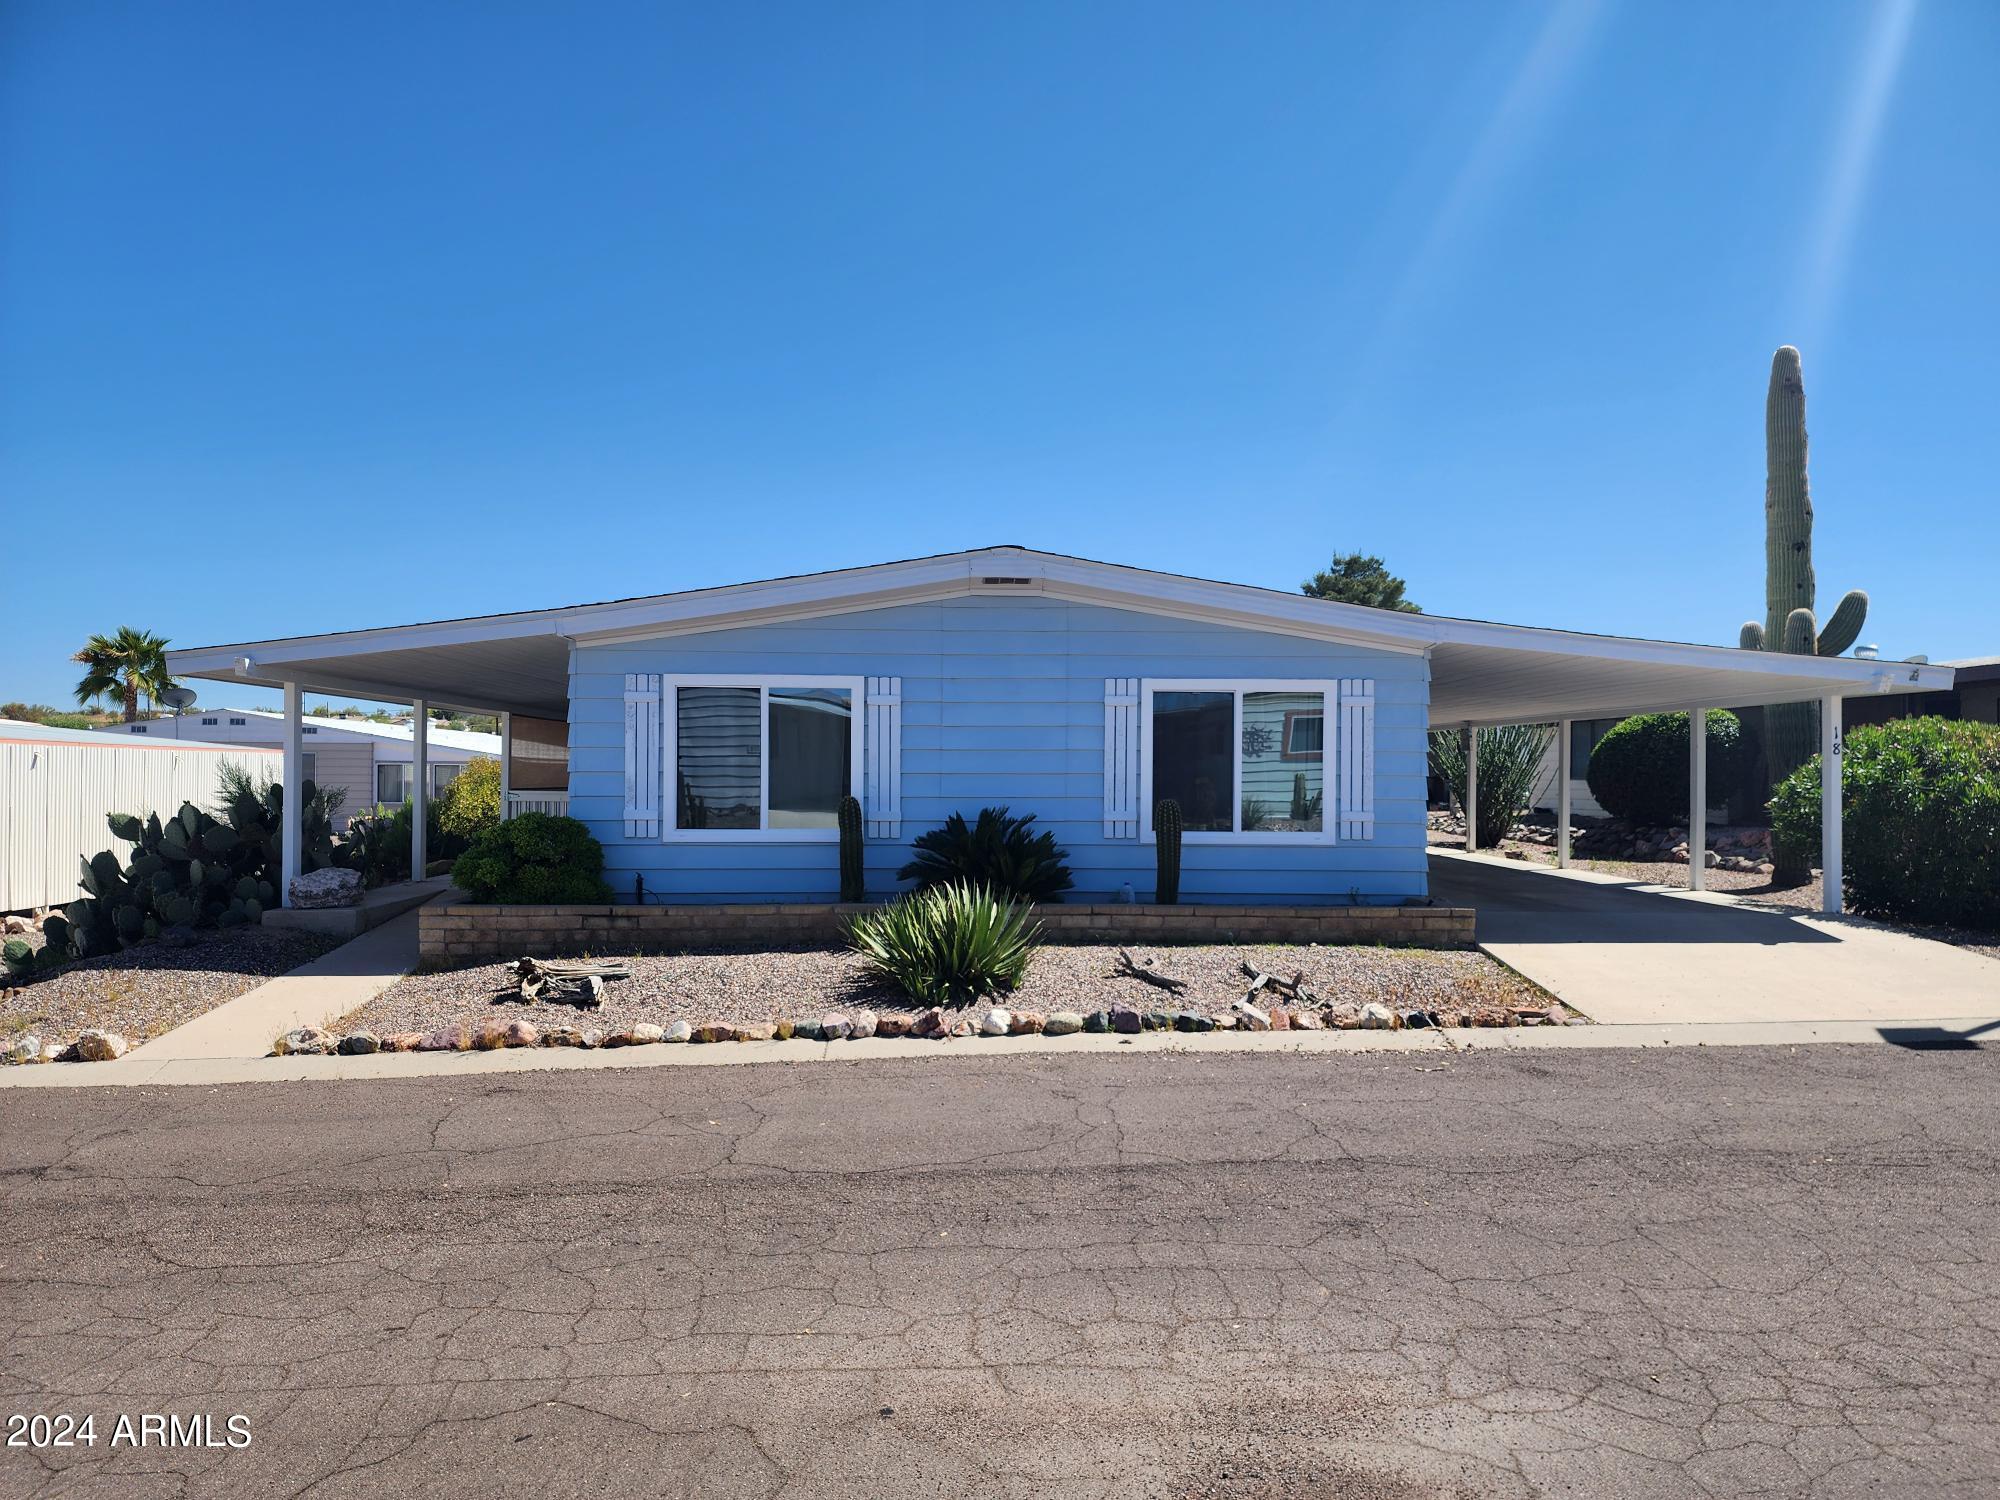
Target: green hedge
[
  {"x": 1920, "y": 820},
  {"x": 534, "y": 860},
  {"x": 1639, "y": 770}
]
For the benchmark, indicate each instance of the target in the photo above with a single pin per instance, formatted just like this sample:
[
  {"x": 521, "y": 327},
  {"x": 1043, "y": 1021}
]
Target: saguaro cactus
[
  {"x": 853, "y": 885},
  {"x": 1166, "y": 852},
  {"x": 1789, "y": 730}
]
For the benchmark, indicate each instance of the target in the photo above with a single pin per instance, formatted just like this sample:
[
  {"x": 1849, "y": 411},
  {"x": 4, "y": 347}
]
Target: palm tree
[{"x": 128, "y": 663}]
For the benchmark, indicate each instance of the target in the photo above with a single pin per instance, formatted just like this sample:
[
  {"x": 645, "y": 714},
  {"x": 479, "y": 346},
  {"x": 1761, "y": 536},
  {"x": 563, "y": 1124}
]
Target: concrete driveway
[{"x": 1633, "y": 955}]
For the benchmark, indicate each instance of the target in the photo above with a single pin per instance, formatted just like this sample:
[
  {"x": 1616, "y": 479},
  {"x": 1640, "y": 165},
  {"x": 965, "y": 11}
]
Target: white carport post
[
  {"x": 1562, "y": 793},
  {"x": 292, "y": 819},
  {"x": 420, "y": 786},
  {"x": 1831, "y": 751},
  {"x": 1697, "y": 798},
  {"x": 1471, "y": 743},
  {"x": 506, "y": 761}
]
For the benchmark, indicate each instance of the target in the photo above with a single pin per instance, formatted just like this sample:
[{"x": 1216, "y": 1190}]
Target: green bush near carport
[
  {"x": 534, "y": 860},
  {"x": 1920, "y": 820},
  {"x": 1639, "y": 770}
]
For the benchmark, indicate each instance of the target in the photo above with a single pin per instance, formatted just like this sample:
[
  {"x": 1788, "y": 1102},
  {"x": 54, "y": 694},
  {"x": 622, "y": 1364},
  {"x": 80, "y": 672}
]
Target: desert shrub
[
  {"x": 378, "y": 843},
  {"x": 1639, "y": 770},
  {"x": 254, "y": 807},
  {"x": 534, "y": 860},
  {"x": 470, "y": 803},
  {"x": 948, "y": 944},
  {"x": 998, "y": 851},
  {"x": 1920, "y": 820},
  {"x": 1510, "y": 770}
]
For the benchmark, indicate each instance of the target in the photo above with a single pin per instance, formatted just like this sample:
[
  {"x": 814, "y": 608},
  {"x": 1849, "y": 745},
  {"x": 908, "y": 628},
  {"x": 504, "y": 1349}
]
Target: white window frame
[
  {"x": 670, "y": 716},
  {"x": 1329, "y": 691},
  {"x": 408, "y": 777}
]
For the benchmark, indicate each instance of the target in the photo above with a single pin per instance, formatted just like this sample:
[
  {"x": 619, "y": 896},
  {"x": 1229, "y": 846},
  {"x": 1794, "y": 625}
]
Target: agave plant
[
  {"x": 999, "y": 851},
  {"x": 948, "y": 944}
]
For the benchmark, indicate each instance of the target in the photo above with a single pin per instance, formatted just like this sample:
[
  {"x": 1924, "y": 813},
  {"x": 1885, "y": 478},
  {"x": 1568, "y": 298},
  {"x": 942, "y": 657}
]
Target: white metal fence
[
  {"x": 55, "y": 794},
  {"x": 556, "y": 804}
]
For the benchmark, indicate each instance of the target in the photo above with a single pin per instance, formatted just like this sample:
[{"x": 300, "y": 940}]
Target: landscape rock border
[{"x": 933, "y": 1024}]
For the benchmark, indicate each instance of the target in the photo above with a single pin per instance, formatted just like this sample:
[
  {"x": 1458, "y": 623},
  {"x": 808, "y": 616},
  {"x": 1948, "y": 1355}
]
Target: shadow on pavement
[
  {"x": 1937, "y": 1038},
  {"x": 1524, "y": 905}
]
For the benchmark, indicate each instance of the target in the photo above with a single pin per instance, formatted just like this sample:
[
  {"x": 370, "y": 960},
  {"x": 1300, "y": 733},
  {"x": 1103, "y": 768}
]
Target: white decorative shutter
[
  {"x": 642, "y": 755},
  {"x": 882, "y": 759},
  {"x": 1356, "y": 765},
  {"x": 1121, "y": 757}
]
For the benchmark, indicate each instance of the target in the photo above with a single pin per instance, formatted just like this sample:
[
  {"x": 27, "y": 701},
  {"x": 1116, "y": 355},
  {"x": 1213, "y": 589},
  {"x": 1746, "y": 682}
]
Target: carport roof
[{"x": 1481, "y": 672}]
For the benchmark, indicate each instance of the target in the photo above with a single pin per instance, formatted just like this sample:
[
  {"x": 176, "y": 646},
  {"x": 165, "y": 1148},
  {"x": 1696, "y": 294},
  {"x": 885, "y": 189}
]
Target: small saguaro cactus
[
  {"x": 1166, "y": 852},
  {"x": 853, "y": 886}
]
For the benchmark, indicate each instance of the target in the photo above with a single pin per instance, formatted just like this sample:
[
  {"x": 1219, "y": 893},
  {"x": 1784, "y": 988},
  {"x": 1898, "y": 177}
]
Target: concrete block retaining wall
[{"x": 465, "y": 933}]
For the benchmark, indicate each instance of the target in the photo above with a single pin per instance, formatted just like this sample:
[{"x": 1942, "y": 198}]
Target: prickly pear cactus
[
  {"x": 1166, "y": 852},
  {"x": 853, "y": 884}
]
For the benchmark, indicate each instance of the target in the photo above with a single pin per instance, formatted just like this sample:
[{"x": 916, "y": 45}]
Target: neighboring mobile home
[
  {"x": 57, "y": 786},
  {"x": 368, "y": 761},
  {"x": 710, "y": 733}
]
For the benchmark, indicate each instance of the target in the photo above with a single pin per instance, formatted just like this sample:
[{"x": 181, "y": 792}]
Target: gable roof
[{"x": 1482, "y": 671}]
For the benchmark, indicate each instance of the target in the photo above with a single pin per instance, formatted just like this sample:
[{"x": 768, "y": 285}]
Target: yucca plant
[
  {"x": 948, "y": 944},
  {"x": 998, "y": 851}
]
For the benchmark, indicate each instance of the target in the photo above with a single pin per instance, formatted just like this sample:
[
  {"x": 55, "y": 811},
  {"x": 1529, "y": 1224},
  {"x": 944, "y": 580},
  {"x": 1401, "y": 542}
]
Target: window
[
  {"x": 137, "y": 728},
  {"x": 765, "y": 759},
  {"x": 1583, "y": 737},
  {"x": 392, "y": 783},
  {"x": 1245, "y": 761},
  {"x": 1305, "y": 734},
  {"x": 209, "y": 721},
  {"x": 308, "y": 766},
  {"x": 312, "y": 729},
  {"x": 442, "y": 773},
  {"x": 239, "y": 723}
]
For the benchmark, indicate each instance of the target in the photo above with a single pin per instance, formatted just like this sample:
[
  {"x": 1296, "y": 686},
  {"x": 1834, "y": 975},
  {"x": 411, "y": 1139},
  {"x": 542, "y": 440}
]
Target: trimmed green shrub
[
  {"x": 534, "y": 860},
  {"x": 1510, "y": 771},
  {"x": 998, "y": 851},
  {"x": 1639, "y": 770},
  {"x": 1920, "y": 820},
  {"x": 948, "y": 944}
]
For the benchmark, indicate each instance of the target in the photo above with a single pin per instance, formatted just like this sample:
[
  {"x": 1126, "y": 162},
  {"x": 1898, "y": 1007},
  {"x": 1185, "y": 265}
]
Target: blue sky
[{"x": 315, "y": 317}]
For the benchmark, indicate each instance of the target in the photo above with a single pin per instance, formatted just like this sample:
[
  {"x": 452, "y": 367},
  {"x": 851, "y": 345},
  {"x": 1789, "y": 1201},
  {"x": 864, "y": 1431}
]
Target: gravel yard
[
  {"x": 154, "y": 987},
  {"x": 806, "y": 982}
]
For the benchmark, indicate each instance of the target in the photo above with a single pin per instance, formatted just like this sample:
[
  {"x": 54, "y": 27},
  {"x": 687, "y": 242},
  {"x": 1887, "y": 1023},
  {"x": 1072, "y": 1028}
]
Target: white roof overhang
[{"x": 1481, "y": 673}]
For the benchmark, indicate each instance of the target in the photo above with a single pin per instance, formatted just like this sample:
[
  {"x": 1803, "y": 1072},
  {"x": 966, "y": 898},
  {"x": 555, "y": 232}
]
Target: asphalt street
[{"x": 1608, "y": 1273}]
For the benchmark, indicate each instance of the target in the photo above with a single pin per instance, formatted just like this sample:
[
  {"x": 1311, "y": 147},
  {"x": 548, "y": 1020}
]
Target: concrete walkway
[
  {"x": 1626, "y": 954},
  {"x": 312, "y": 995}
]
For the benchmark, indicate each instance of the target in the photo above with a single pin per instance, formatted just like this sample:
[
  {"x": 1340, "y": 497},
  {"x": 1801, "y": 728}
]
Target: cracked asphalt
[{"x": 1722, "y": 1272}]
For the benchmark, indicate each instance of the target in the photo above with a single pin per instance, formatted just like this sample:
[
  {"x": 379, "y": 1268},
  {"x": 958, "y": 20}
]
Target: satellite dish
[{"x": 178, "y": 698}]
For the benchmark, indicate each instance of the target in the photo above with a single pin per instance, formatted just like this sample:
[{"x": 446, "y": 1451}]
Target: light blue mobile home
[
  {"x": 1080, "y": 713},
  {"x": 707, "y": 737}
]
